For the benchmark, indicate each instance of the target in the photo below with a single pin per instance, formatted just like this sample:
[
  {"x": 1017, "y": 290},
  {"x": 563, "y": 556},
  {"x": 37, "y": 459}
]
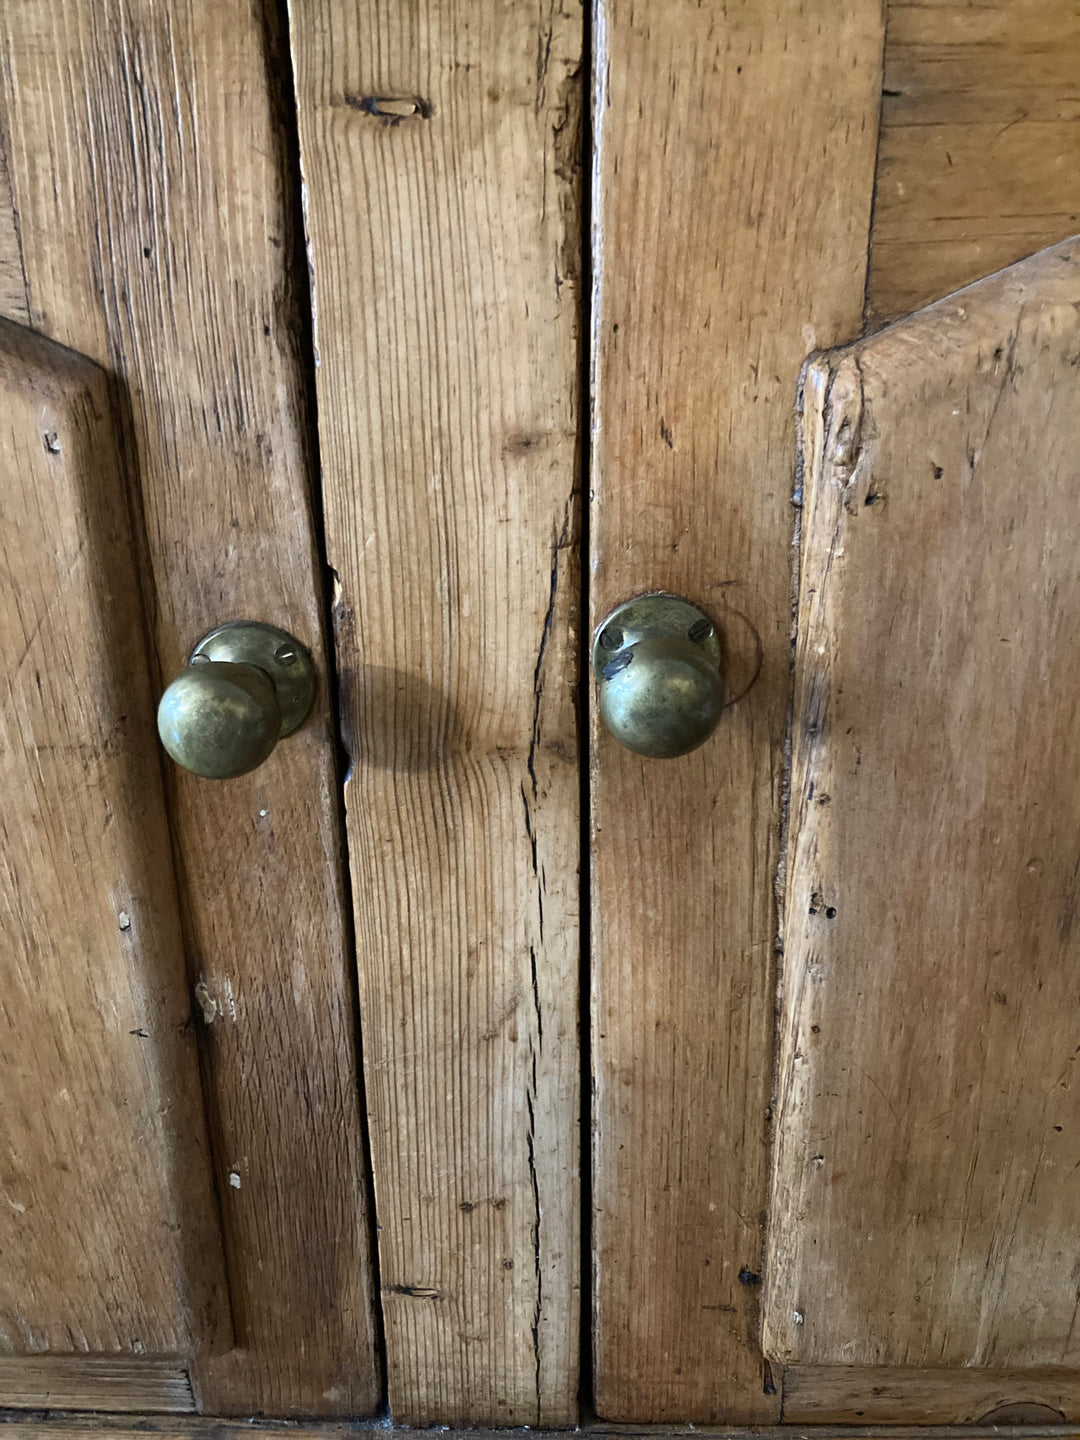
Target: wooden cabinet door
[
  {"x": 738, "y": 150},
  {"x": 147, "y": 220},
  {"x": 924, "y": 1199},
  {"x": 430, "y": 332}
]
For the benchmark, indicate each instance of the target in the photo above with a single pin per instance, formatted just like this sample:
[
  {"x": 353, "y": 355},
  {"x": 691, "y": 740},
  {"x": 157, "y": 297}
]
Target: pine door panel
[
  {"x": 440, "y": 145},
  {"x": 979, "y": 157},
  {"x": 732, "y": 184},
  {"x": 133, "y": 1385},
  {"x": 149, "y": 223},
  {"x": 109, "y": 1226},
  {"x": 900, "y": 1395},
  {"x": 925, "y": 1200}
]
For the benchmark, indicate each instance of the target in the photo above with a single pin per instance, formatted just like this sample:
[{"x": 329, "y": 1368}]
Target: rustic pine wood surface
[
  {"x": 123, "y": 1427},
  {"x": 151, "y": 224},
  {"x": 146, "y": 217},
  {"x": 108, "y": 1227},
  {"x": 922, "y": 1207},
  {"x": 895, "y": 1395},
  {"x": 979, "y": 161},
  {"x": 732, "y": 181},
  {"x": 441, "y": 154},
  {"x": 143, "y": 1385}
]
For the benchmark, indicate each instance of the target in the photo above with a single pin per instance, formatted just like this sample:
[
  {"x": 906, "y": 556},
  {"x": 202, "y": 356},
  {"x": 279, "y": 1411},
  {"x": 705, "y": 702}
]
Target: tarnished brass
[
  {"x": 658, "y": 665},
  {"x": 245, "y": 686}
]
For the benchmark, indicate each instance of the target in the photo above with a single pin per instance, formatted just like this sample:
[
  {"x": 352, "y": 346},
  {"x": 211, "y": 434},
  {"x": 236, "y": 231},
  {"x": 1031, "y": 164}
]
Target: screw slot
[
  {"x": 620, "y": 662},
  {"x": 611, "y": 638},
  {"x": 285, "y": 655},
  {"x": 700, "y": 631}
]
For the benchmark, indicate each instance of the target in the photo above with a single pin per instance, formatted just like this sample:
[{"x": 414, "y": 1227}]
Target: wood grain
[
  {"x": 141, "y": 1384},
  {"x": 147, "y": 170},
  {"x": 893, "y": 1395},
  {"x": 733, "y": 177},
  {"x": 194, "y": 1427},
  {"x": 979, "y": 160},
  {"x": 924, "y": 1210},
  {"x": 445, "y": 245},
  {"x": 109, "y": 1226}
]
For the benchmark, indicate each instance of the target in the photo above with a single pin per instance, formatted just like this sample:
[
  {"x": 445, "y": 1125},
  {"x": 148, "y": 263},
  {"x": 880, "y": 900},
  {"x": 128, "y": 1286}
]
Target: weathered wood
[
  {"x": 141, "y": 1384},
  {"x": 147, "y": 169},
  {"x": 108, "y": 1223},
  {"x": 924, "y": 1209},
  {"x": 979, "y": 161},
  {"x": 440, "y": 148},
  {"x": 735, "y": 153},
  {"x": 122, "y": 1427},
  {"x": 853, "y": 1395}
]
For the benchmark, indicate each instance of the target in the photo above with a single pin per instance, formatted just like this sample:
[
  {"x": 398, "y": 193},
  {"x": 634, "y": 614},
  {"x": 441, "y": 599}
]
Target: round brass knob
[
  {"x": 245, "y": 686},
  {"x": 658, "y": 665}
]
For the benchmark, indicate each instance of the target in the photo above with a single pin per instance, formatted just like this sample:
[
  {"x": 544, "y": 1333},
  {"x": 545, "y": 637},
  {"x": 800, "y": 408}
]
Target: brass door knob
[
  {"x": 246, "y": 686},
  {"x": 658, "y": 665}
]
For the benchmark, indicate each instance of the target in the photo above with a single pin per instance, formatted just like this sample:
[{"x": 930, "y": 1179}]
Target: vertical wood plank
[
  {"x": 733, "y": 177},
  {"x": 147, "y": 170},
  {"x": 979, "y": 160},
  {"x": 928, "y": 1135},
  {"x": 440, "y": 151},
  {"x": 108, "y": 1220}
]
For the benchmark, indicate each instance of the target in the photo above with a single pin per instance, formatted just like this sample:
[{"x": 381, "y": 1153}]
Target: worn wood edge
[{"x": 202, "y": 1427}]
